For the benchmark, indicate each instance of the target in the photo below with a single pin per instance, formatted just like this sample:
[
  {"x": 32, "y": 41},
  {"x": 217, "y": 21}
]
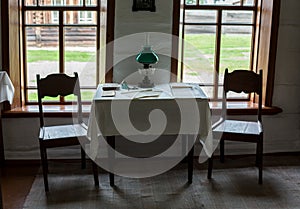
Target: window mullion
[
  {"x": 24, "y": 48},
  {"x": 182, "y": 46},
  {"x": 217, "y": 54},
  {"x": 98, "y": 52},
  {"x": 61, "y": 42}
]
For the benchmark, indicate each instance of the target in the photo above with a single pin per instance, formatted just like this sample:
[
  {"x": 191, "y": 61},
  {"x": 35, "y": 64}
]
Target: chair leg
[
  {"x": 260, "y": 156},
  {"x": 210, "y": 167},
  {"x": 111, "y": 141},
  {"x": 190, "y": 165},
  {"x": 83, "y": 159},
  {"x": 257, "y": 155},
  {"x": 44, "y": 160},
  {"x": 95, "y": 173},
  {"x": 222, "y": 145}
]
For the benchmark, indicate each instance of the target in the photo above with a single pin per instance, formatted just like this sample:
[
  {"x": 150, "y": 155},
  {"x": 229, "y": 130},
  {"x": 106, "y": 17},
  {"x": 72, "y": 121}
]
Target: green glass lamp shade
[{"x": 147, "y": 56}]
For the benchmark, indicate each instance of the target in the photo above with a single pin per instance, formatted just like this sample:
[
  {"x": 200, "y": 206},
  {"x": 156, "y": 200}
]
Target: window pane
[
  {"x": 80, "y": 54},
  {"x": 242, "y": 17},
  {"x": 235, "y": 48},
  {"x": 208, "y": 90},
  {"x": 32, "y": 97},
  {"x": 86, "y": 95},
  {"x": 200, "y": 16},
  {"x": 91, "y": 2},
  {"x": 220, "y": 2},
  {"x": 30, "y": 2},
  {"x": 199, "y": 52},
  {"x": 41, "y": 52},
  {"x": 58, "y": 3},
  {"x": 190, "y": 2},
  {"x": 80, "y": 17},
  {"x": 249, "y": 2},
  {"x": 42, "y": 17}
]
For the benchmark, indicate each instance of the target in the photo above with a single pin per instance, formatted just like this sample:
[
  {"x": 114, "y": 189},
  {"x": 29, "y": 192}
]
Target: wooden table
[{"x": 186, "y": 109}]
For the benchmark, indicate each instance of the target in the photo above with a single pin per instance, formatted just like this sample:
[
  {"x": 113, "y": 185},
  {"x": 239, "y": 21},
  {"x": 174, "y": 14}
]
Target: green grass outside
[
  {"x": 235, "y": 51},
  {"x": 51, "y": 55},
  {"x": 85, "y": 96},
  {"x": 235, "y": 54}
]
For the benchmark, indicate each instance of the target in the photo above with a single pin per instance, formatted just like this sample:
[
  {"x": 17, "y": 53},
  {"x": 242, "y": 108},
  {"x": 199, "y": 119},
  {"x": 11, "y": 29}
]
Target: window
[
  {"x": 218, "y": 34},
  {"x": 61, "y": 37},
  {"x": 22, "y": 41},
  {"x": 86, "y": 16},
  {"x": 58, "y": 2},
  {"x": 54, "y": 17}
]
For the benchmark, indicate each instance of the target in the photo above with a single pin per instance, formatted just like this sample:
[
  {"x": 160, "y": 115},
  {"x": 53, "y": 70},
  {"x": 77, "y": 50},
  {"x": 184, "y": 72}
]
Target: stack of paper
[{"x": 108, "y": 93}]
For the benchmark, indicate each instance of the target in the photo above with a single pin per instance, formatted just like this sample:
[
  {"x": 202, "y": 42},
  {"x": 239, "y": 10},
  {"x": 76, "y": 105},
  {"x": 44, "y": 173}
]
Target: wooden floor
[
  {"x": 17, "y": 177},
  {"x": 16, "y": 180}
]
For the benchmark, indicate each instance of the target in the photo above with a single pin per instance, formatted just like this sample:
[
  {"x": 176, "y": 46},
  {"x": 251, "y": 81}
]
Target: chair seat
[
  {"x": 66, "y": 134},
  {"x": 239, "y": 127}
]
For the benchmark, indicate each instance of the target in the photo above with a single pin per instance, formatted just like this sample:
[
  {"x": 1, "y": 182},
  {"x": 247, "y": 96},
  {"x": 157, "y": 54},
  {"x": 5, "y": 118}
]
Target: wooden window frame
[
  {"x": 264, "y": 41},
  {"x": 61, "y": 9},
  {"x": 266, "y": 45},
  {"x": 219, "y": 9}
]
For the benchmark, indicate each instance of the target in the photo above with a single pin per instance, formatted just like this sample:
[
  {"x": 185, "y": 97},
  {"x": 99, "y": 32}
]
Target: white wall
[
  {"x": 0, "y": 39},
  {"x": 282, "y": 131},
  {"x": 130, "y": 28},
  {"x": 21, "y": 139}
]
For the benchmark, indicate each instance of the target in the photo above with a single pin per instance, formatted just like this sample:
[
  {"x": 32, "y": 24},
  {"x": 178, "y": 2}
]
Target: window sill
[
  {"x": 28, "y": 111},
  {"x": 234, "y": 108},
  {"x": 244, "y": 108}
]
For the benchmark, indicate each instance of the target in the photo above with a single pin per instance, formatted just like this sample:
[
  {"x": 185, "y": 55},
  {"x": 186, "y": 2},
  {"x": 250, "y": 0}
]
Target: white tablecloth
[
  {"x": 6, "y": 88},
  {"x": 167, "y": 109}
]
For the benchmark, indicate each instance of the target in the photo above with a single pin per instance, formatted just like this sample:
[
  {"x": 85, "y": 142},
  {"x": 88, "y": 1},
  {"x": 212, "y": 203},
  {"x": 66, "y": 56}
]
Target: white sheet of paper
[{"x": 108, "y": 93}]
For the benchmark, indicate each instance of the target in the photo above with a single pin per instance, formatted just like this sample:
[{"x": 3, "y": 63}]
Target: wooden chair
[
  {"x": 236, "y": 130},
  {"x": 61, "y": 135}
]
